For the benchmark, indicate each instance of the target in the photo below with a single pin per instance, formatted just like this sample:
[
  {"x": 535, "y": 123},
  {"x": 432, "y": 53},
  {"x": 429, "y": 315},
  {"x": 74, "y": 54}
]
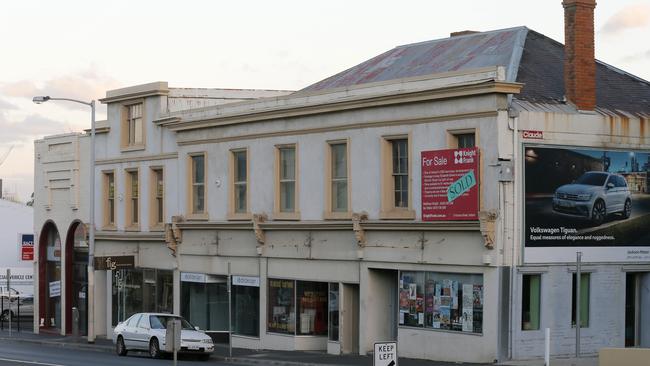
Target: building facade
[{"x": 319, "y": 215}]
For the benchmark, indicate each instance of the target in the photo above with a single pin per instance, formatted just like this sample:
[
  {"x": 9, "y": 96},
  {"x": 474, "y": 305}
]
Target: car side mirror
[
  {"x": 197, "y": 328},
  {"x": 610, "y": 185}
]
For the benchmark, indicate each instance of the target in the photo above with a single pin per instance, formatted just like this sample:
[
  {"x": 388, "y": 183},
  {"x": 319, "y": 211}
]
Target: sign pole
[
  {"x": 577, "y": 295},
  {"x": 9, "y": 297},
  {"x": 229, "y": 313}
]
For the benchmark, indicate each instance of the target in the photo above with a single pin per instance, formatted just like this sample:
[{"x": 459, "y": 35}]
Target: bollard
[{"x": 75, "y": 322}]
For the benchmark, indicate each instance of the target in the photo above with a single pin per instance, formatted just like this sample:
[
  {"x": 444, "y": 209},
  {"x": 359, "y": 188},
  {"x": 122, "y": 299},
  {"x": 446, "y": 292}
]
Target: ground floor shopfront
[
  {"x": 614, "y": 305},
  {"x": 337, "y": 306}
]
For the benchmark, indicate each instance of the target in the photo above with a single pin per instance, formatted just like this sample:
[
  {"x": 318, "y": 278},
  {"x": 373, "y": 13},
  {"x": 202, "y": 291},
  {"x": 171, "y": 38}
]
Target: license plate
[
  {"x": 566, "y": 204},
  {"x": 193, "y": 347}
]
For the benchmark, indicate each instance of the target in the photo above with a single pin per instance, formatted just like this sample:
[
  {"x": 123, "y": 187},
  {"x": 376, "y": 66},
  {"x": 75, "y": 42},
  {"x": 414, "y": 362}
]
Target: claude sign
[{"x": 450, "y": 188}]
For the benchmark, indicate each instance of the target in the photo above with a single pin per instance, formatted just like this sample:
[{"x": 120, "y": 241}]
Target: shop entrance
[
  {"x": 76, "y": 269},
  {"x": 637, "y": 298},
  {"x": 381, "y": 310},
  {"x": 350, "y": 321},
  {"x": 49, "y": 278}
]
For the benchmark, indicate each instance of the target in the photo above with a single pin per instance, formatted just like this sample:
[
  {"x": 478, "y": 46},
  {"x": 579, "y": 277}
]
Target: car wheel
[
  {"x": 154, "y": 348},
  {"x": 598, "y": 212},
  {"x": 627, "y": 209},
  {"x": 120, "y": 348}
]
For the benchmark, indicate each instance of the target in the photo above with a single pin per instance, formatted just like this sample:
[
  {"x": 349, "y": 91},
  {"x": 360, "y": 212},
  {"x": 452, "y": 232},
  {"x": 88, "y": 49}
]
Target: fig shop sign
[{"x": 450, "y": 189}]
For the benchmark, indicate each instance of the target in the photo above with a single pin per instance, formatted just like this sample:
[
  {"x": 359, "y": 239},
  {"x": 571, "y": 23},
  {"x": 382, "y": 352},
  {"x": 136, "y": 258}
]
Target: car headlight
[
  {"x": 209, "y": 341},
  {"x": 584, "y": 197}
]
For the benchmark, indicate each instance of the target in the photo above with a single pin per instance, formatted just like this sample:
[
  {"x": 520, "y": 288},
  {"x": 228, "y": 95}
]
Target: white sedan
[{"x": 146, "y": 332}]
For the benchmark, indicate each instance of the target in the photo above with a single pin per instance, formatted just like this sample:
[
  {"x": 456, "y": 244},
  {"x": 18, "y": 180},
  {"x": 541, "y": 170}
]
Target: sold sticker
[{"x": 461, "y": 186}]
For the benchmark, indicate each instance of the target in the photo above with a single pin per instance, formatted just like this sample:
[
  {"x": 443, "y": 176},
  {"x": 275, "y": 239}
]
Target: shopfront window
[
  {"x": 246, "y": 309},
  {"x": 138, "y": 290},
  {"x": 204, "y": 301},
  {"x": 334, "y": 312},
  {"x": 282, "y": 306},
  {"x": 436, "y": 300}
]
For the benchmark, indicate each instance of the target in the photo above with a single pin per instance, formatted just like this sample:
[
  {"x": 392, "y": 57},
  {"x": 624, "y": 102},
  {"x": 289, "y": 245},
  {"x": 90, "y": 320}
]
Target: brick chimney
[{"x": 579, "y": 60}]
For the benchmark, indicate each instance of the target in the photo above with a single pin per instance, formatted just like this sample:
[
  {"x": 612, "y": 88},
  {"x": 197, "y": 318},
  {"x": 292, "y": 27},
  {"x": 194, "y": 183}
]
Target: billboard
[
  {"x": 450, "y": 187},
  {"x": 598, "y": 200}
]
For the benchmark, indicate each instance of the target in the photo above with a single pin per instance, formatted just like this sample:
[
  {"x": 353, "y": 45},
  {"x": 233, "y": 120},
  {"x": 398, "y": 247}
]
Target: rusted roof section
[{"x": 472, "y": 51}]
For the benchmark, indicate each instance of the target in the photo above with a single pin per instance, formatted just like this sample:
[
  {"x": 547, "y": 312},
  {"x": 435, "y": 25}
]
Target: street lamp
[{"x": 91, "y": 234}]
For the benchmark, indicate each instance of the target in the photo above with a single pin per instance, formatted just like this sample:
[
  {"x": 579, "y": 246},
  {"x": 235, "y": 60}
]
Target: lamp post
[{"x": 91, "y": 231}]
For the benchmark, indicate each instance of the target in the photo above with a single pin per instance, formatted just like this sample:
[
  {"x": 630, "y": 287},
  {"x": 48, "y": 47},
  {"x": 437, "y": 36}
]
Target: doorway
[
  {"x": 77, "y": 276},
  {"x": 637, "y": 297},
  {"x": 49, "y": 278},
  {"x": 350, "y": 319}
]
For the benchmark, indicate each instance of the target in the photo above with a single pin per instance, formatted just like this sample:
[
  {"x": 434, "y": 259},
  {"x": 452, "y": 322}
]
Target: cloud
[
  {"x": 85, "y": 85},
  {"x": 32, "y": 127},
  {"x": 637, "y": 57},
  {"x": 633, "y": 16},
  {"x": 4, "y": 105}
]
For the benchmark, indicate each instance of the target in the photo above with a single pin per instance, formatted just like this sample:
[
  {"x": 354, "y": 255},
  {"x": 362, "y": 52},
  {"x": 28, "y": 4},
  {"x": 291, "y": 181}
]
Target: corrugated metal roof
[{"x": 495, "y": 48}]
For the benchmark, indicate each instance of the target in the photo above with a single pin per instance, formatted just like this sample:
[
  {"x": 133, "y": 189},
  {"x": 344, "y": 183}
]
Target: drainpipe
[{"x": 513, "y": 115}]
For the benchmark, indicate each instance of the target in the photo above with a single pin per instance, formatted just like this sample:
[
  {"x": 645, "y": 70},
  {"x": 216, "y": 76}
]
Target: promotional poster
[{"x": 576, "y": 197}]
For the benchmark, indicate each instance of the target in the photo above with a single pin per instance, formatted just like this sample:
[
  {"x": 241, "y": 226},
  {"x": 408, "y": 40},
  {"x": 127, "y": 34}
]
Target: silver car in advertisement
[
  {"x": 594, "y": 196},
  {"x": 147, "y": 331}
]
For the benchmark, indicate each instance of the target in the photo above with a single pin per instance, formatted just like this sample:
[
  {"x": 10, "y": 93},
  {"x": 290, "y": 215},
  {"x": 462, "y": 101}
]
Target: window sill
[
  {"x": 331, "y": 215},
  {"x": 197, "y": 217},
  {"x": 246, "y": 216},
  {"x": 289, "y": 216},
  {"x": 109, "y": 228},
  {"x": 132, "y": 228},
  {"x": 397, "y": 214},
  {"x": 132, "y": 148},
  {"x": 157, "y": 227}
]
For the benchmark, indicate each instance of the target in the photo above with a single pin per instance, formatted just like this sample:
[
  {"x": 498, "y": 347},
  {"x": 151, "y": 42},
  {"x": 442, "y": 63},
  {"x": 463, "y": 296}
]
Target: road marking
[{"x": 31, "y": 362}]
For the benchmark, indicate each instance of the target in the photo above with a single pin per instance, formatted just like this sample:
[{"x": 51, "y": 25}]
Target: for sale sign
[
  {"x": 450, "y": 189},
  {"x": 26, "y": 242}
]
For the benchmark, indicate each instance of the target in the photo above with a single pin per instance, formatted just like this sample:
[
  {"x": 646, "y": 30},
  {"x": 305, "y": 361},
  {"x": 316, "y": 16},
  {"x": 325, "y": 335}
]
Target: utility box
[{"x": 173, "y": 336}]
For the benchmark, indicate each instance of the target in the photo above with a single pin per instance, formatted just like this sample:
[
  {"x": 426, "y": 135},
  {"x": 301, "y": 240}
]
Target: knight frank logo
[{"x": 464, "y": 156}]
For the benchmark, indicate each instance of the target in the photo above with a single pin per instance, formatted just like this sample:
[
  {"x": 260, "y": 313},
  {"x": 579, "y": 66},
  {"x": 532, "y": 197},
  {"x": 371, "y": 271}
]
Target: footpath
[{"x": 269, "y": 357}]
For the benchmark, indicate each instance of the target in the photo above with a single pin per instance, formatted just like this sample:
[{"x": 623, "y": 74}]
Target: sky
[{"x": 79, "y": 49}]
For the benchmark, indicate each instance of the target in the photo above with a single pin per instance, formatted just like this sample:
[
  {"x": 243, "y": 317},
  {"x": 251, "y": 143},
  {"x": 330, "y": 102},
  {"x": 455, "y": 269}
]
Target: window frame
[
  {"x": 191, "y": 215},
  {"x": 388, "y": 208},
  {"x": 539, "y": 302},
  {"x": 277, "y": 213},
  {"x": 154, "y": 224},
  {"x": 232, "y": 170},
  {"x": 125, "y": 126},
  {"x": 329, "y": 213},
  {"x": 130, "y": 223},
  {"x": 452, "y": 137},
  {"x": 107, "y": 224}
]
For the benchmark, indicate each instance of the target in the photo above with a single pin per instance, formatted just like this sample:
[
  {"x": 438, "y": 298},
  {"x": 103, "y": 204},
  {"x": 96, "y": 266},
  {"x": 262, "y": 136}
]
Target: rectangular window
[
  {"x": 134, "y": 124},
  {"x": 333, "y": 308},
  {"x": 240, "y": 181},
  {"x": 584, "y": 300},
  {"x": 133, "y": 197},
  {"x": 466, "y": 140},
  {"x": 400, "y": 173},
  {"x": 109, "y": 189},
  {"x": 246, "y": 310},
  {"x": 530, "y": 305},
  {"x": 198, "y": 184},
  {"x": 139, "y": 290},
  {"x": 281, "y": 315},
  {"x": 436, "y": 300},
  {"x": 298, "y": 307},
  {"x": 339, "y": 177},
  {"x": 204, "y": 301},
  {"x": 157, "y": 197},
  {"x": 287, "y": 179}
]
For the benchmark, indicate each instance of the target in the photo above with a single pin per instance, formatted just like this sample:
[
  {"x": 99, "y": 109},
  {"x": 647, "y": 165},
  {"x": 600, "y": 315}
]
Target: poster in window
[
  {"x": 445, "y": 316},
  {"x": 468, "y": 308},
  {"x": 478, "y": 295}
]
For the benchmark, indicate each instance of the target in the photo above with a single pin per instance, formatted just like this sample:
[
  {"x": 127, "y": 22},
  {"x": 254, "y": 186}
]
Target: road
[{"x": 23, "y": 353}]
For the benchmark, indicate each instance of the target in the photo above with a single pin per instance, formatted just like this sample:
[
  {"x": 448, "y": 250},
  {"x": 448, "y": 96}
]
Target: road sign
[{"x": 385, "y": 354}]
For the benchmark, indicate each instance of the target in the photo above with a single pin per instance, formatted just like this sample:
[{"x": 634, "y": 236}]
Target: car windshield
[
  {"x": 592, "y": 179},
  {"x": 160, "y": 322}
]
